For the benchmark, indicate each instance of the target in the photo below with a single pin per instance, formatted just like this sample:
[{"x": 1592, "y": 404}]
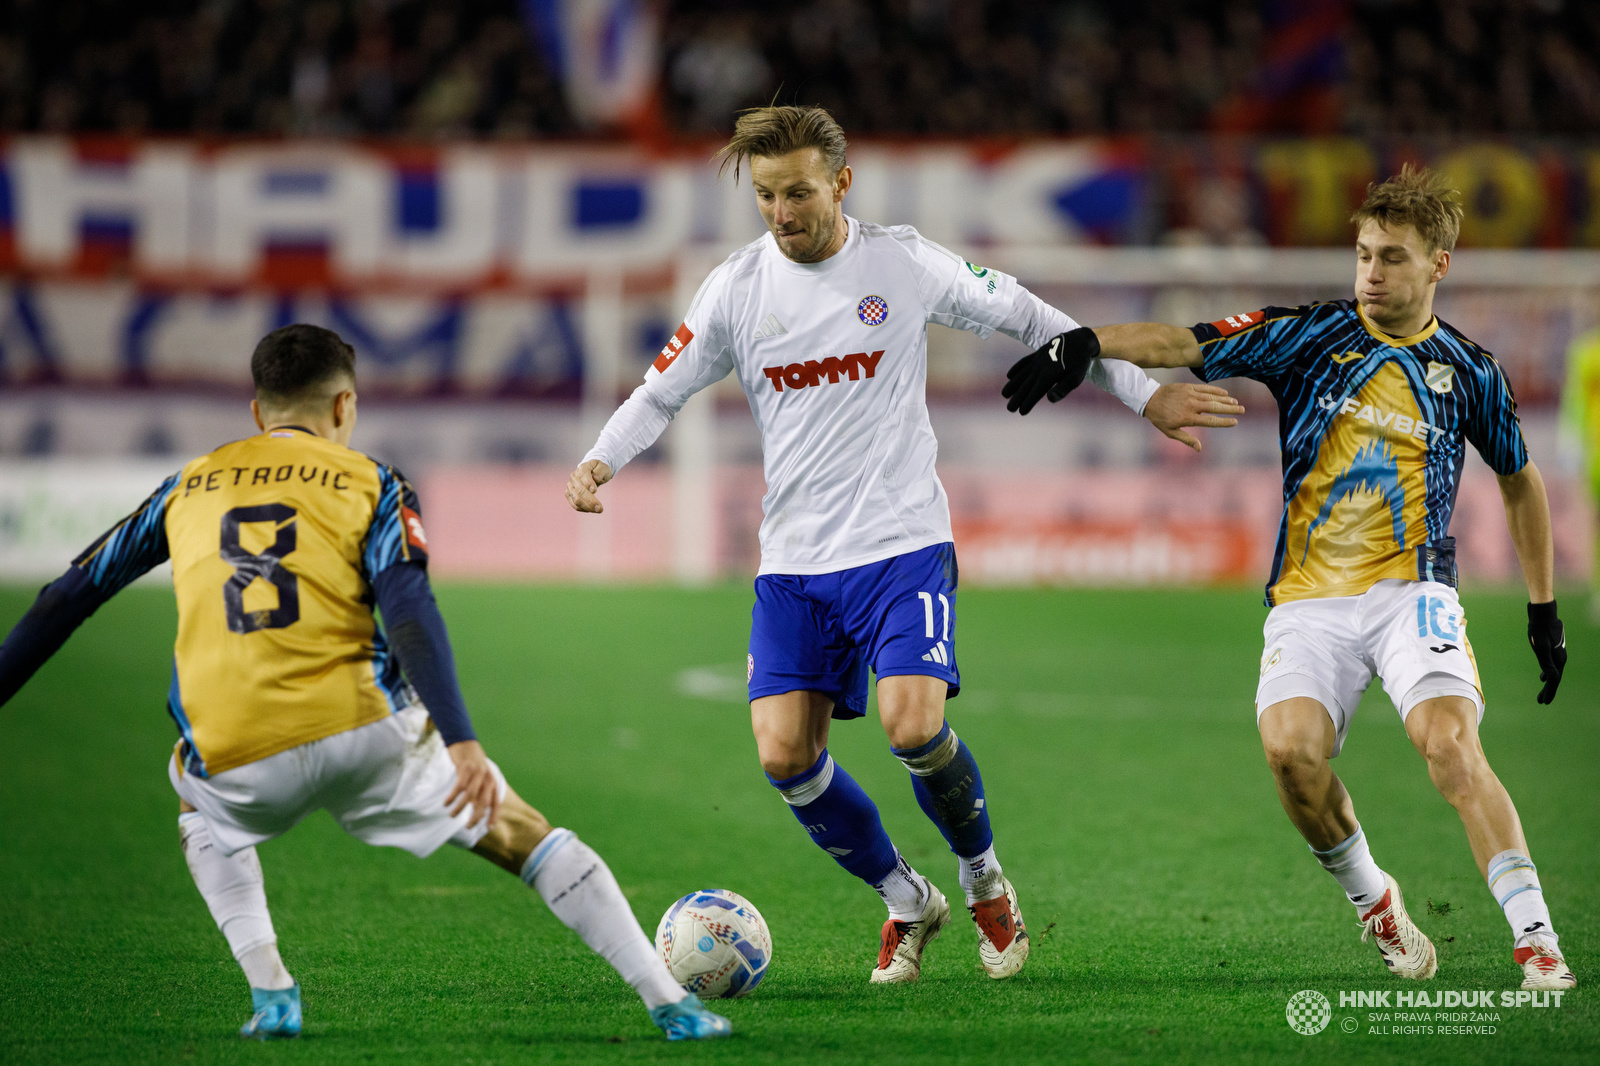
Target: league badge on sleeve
[
  {"x": 673, "y": 348},
  {"x": 413, "y": 526},
  {"x": 873, "y": 311},
  {"x": 1234, "y": 323},
  {"x": 1441, "y": 377}
]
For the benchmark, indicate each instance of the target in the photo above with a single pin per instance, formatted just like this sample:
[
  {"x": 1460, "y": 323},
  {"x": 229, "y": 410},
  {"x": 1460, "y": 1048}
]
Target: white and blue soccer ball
[{"x": 715, "y": 943}]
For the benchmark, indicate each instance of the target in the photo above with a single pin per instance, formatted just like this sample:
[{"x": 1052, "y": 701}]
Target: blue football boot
[
  {"x": 277, "y": 1013},
  {"x": 688, "y": 1019}
]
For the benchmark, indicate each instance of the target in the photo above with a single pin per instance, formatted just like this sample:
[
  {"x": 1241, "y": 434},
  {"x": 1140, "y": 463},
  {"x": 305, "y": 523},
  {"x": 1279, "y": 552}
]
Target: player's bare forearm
[
  {"x": 1528, "y": 518},
  {"x": 584, "y": 482},
  {"x": 1149, "y": 344}
]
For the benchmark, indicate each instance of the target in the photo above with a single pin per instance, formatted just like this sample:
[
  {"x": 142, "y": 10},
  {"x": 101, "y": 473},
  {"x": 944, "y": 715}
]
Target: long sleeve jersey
[{"x": 833, "y": 357}]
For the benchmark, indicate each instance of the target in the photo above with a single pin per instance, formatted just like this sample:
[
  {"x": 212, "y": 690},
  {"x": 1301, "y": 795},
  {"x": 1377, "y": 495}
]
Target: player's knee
[
  {"x": 1457, "y": 767},
  {"x": 906, "y": 733},
  {"x": 1293, "y": 762},
  {"x": 783, "y": 761}
]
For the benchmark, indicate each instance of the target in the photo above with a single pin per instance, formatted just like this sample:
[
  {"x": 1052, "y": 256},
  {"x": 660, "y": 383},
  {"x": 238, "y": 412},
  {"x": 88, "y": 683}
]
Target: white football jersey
[{"x": 833, "y": 357}]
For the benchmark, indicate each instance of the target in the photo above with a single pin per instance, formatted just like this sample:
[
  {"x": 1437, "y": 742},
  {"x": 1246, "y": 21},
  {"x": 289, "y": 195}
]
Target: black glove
[
  {"x": 1549, "y": 642},
  {"x": 1054, "y": 370}
]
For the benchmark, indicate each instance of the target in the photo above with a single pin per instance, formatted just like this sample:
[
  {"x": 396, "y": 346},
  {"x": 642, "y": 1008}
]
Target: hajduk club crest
[{"x": 873, "y": 310}]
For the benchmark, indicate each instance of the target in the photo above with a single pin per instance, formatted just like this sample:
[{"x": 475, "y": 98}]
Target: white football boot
[
  {"x": 900, "y": 954},
  {"x": 1002, "y": 937},
  {"x": 1543, "y": 967},
  {"x": 1405, "y": 949}
]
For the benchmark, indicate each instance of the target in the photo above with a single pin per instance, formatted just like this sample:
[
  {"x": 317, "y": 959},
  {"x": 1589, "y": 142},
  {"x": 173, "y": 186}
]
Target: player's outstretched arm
[
  {"x": 1528, "y": 517},
  {"x": 1174, "y": 406},
  {"x": 417, "y": 631},
  {"x": 127, "y": 550},
  {"x": 584, "y": 483},
  {"x": 1058, "y": 367},
  {"x": 62, "y": 606},
  {"x": 1150, "y": 344},
  {"x": 631, "y": 429}
]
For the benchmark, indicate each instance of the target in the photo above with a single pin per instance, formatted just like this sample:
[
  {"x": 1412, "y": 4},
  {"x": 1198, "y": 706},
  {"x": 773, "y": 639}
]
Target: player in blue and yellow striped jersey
[
  {"x": 1377, "y": 401},
  {"x": 287, "y": 696}
]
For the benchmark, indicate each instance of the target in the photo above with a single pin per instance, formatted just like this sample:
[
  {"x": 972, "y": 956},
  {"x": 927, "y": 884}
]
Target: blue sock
[
  {"x": 949, "y": 789},
  {"x": 841, "y": 819}
]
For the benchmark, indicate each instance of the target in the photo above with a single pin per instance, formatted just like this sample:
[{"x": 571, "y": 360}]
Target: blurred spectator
[
  {"x": 976, "y": 67},
  {"x": 452, "y": 68},
  {"x": 718, "y": 73},
  {"x": 431, "y": 68}
]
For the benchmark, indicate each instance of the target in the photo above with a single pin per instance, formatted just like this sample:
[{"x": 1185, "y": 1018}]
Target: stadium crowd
[
  {"x": 421, "y": 68},
  {"x": 944, "y": 67},
  {"x": 435, "y": 68}
]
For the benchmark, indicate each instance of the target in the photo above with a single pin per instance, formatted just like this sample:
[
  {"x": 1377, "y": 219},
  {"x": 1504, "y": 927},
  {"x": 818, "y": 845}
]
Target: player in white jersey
[{"x": 824, "y": 321}]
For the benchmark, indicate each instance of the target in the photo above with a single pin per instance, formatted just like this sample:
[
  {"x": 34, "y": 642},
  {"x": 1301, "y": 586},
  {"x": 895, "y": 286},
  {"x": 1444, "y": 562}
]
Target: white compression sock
[
  {"x": 1514, "y": 883},
  {"x": 981, "y": 877},
  {"x": 235, "y": 892},
  {"x": 904, "y": 890},
  {"x": 1350, "y": 863},
  {"x": 578, "y": 887}
]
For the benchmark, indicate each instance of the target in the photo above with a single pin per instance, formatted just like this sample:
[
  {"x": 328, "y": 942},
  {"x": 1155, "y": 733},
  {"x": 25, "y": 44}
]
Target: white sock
[
  {"x": 1350, "y": 863},
  {"x": 1514, "y": 883},
  {"x": 904, "y": 890},
  {"x": 580, "y": 890},
  {"x": 235, "y": 892},
  {"x": 981, "y": 877}
]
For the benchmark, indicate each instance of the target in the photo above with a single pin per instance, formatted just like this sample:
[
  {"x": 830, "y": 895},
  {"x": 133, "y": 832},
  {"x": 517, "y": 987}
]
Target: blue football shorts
[{"x": 821, "y": 632}]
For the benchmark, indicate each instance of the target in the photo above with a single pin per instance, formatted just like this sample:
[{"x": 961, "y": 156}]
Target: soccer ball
[{"x": 715, "y": 943}]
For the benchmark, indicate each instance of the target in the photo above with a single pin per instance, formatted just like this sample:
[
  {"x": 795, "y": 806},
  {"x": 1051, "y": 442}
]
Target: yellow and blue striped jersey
[
  {"x": 1373, "y": 430},
  {"x": 275, "y": 541}
]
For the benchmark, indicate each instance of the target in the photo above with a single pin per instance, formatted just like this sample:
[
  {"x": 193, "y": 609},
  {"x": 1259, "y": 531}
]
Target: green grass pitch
[{"x": 1173, "y": 908}]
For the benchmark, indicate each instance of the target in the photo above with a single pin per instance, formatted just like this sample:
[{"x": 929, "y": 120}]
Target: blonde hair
[
  {"x": 770, "y": 131},
  {"x": 1416, "y": 197}
]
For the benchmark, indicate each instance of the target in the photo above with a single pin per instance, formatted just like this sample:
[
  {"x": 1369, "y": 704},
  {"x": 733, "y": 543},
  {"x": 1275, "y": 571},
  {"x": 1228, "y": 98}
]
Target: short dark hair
[
  {"x": 770, "y": 131},
  {"x": 292, "y": 364}
]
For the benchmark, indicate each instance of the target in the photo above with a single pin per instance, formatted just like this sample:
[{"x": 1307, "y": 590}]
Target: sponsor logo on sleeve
[
  {"x": 673, "y": 348},
  {"x": 414, "y": 532},
  {"x": 978, "y": 271},
  {"x": 1234, "y": 323}
]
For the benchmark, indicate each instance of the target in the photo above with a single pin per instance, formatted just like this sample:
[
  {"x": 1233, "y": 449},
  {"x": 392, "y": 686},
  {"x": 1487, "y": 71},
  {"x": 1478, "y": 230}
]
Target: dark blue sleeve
[
  {"x": 125, "y": 551},
  {"x": 60, "y": 609},
  {"x": 1492, "y": 424},
  {"x": 133, "y": 546},
  {"x": 1246, "y": 345},
  {"x": 395, "y": 535},
  {"x": 416, "y": 631}
]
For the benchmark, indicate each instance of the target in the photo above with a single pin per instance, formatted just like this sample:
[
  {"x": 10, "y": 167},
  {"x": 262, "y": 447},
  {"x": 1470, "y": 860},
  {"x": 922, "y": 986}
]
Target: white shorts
[
  {"x": 384, "y": 782},
  {"x": 1410, "y": 634}
]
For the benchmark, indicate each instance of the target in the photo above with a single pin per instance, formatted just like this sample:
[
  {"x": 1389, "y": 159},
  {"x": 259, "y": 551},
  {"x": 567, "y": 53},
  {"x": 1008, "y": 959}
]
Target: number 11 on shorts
[{"x": 927, "y": 613}]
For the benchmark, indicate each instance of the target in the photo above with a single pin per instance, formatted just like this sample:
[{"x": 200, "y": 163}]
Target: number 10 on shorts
[
  {"x": 1434, "y": 615},
  {"x": 927, "y": 613}
]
